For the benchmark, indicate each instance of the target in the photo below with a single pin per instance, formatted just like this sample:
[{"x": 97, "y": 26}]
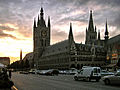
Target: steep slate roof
[
  {"x": 114, "y": 39},
  {"x": 56, "y": 48}
]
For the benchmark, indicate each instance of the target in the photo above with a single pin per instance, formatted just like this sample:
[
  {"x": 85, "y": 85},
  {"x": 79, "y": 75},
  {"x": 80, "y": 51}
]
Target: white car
[
  {"x": 105, "y": 73},
  {"x": 88, "y": 73},
  {"x": 112, "y": 79}
]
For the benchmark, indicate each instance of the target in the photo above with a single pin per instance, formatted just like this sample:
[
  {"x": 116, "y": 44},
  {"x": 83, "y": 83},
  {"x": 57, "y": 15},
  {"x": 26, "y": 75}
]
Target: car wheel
[
  {"x": 76, "y": 78},
  {"x": 89, "y": 79},
  {"x": 97, "y": 80},
  {"x": 107, "y": 81}
]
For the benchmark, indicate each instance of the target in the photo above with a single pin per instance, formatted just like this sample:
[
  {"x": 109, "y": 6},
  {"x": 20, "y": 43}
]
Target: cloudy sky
[{"x": 16, "y": 21}]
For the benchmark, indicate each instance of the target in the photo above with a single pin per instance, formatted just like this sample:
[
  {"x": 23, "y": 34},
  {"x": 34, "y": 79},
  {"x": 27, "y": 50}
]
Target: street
[{"x": 60, "y": 82}]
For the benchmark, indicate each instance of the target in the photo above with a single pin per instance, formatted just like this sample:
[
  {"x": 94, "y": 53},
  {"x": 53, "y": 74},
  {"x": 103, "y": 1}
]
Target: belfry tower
[{"x": 41, "y": 35}]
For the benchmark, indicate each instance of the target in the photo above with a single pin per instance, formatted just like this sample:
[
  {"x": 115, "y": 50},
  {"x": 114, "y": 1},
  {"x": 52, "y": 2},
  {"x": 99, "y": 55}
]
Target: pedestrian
[{"x": 10, "y": 73}]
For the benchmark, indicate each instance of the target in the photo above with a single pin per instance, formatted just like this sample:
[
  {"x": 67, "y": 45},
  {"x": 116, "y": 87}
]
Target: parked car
[
  {"x": 33, "y": 71},
  {"x": 24, "y": 72},
  {"x": 88, "y": 73},
  {"x": 112, "y": 79},
  {"x": 42, "y": 72},
  {"x": 72, "y": 71},
  {"x": 105, "y": 73},
  {"x": 49, "y": 72},
  {"x": 52, "y": 72}
]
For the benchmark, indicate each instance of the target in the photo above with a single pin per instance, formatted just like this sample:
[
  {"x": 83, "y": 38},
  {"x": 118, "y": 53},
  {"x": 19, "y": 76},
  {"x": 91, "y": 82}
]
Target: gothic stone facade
[{"x": 66, "y": 54}]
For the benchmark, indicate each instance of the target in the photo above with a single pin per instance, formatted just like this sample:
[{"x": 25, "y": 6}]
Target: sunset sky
[{"x": 16, "y": 21}]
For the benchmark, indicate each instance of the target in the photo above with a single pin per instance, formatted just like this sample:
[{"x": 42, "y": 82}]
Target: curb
[{"x": 14, "y": 88}]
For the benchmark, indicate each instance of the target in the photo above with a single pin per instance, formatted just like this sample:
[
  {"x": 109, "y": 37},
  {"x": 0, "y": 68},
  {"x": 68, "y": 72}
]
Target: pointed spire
[
  {"x": 70, "y": 32},
  {"x": 48, "y": 21},
  {"x": 86, "y": 29},
  {"x": 41, "y": 13},
  {"x": 98, "y": 34},
  {"x": 91, "y": 26},
  {"x": 106, "y": 31},
  {"x": 34, "y": 23},
  {"x": 95, "y": 28},
  {"x": 21, "y": 54},
  {"x": 38, "y": 20}
]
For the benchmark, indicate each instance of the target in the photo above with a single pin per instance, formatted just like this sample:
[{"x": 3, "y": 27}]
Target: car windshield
[
  {"x": 117, "y": 74},
  {"x": 96, "y": 70}
]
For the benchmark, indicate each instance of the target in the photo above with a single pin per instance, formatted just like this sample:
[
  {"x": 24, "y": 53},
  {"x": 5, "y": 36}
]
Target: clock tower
[{"x": 41, "y": 35}]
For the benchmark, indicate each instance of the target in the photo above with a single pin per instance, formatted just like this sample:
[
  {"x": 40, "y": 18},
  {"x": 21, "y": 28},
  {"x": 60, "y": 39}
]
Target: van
[{"x": 88, "y": 73}]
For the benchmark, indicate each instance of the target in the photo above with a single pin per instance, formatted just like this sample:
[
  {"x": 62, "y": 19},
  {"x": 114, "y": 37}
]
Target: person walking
[{"x": 10, "y": 74}]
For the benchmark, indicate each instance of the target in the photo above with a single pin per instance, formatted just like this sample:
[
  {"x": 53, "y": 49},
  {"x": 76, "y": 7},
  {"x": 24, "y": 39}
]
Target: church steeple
[
  {"x": 70, "y": 33},
  {"x": 95, "y": 29},
  {"x": 98, "y": 34},
  {"x": 86, "y": 29},
  {"x": 38, "y": 20},
  {"x": 91, "y": 26},
  {"x": 41, "y": 13},
  {"x": 41, "y": 21},
  {"x": 34, "y": 23},
  {"x": 21, "y": 54},
  {"x": 106, "y": 31},
  {"x": 49, "y": 21}
]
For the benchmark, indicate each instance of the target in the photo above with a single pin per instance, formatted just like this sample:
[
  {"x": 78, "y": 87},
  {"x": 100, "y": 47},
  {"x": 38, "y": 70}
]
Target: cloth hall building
[{"x": 67, "y": 54}]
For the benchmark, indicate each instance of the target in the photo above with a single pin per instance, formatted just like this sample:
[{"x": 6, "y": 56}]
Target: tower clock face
[{"x": 44, "y": 33}]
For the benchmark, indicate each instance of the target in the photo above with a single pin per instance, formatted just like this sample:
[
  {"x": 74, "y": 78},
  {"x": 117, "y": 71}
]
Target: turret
[
  {"x": 98, "y": 34},
  {"x": 20, "y": 54},
  {"x": 86, "y": 29},
  {"x": 34, "y": 23},
  {"x": 41, "y": 22},
  {"x": 41, "y": 13},
  {"x": 38, "y": 21},
  {"x": 48, "y": 21},
  {"x": 95, "y": 29},
  {"x": 106, "y": 31}
]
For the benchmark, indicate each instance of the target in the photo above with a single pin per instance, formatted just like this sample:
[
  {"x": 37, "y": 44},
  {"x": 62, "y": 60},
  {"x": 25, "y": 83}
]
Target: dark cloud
[
  {"x": 22, "y": 12},
  {"x": 116, "y": 21}
]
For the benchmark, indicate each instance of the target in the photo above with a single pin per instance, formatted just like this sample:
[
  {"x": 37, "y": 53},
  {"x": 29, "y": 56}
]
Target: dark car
[{"x": 52, "y": 72}]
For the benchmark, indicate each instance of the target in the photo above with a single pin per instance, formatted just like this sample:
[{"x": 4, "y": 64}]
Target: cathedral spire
[
  {"x": 38, "y": 20},
  {"x": 70, "y": 32},
  {"x": 91, "y": 26},
  {"x": 95, "y": 29},
  {"x": 48, "y": 21},
  {"x": 86, "y": 29},
  {"x": 21, "y": 54},
  {"x": 34, "y": 23},
  {"x": 41, "y": 13},
  {"x": 98, "y": 34},
  {"x": 106, "y": 31}
]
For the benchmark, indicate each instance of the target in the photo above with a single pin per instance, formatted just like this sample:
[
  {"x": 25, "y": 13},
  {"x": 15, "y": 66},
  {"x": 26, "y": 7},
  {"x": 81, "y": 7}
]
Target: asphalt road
[{"x": 60, "y": 82}]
